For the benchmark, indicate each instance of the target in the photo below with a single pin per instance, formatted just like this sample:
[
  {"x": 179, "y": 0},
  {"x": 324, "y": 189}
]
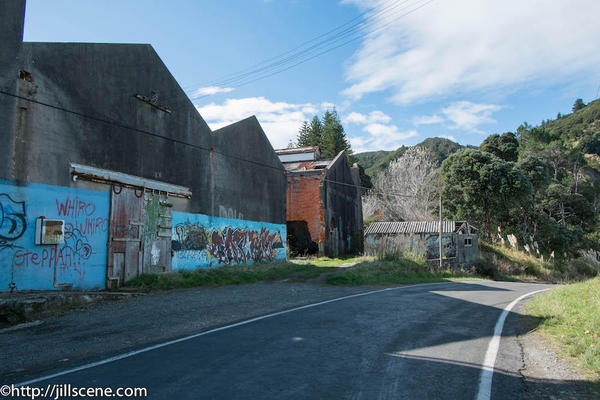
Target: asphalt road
[{"x": 414, "y": 342}]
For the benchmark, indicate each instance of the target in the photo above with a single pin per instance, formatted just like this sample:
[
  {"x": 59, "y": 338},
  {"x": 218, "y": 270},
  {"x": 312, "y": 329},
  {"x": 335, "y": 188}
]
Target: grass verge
[
  {"x": 227, "y": 275},
  {"x": 508, "y": 264},
  {"x": 571, "y": 315},
  {"x": 400, "y": 270}
]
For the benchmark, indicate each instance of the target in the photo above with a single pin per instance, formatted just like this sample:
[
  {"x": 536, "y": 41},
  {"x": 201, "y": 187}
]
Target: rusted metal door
[{"x": 126, "y": 226}]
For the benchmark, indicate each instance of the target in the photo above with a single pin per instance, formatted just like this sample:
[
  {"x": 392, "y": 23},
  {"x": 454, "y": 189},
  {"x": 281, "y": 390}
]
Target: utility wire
[
  {"x": 299, "y": 47},
  {"x": 108, "y": 121},
  {"x": 243, "y": 83},
  {"x": 296, "y": 55},
  {"x": 327, "y": 45},
  {"x": 387, "y": 193}
]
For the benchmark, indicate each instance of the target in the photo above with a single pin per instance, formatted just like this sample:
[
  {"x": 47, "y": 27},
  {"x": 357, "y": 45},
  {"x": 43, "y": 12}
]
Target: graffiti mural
[
  {"x": 200, "y": 241},
  {"x": 80, "y": 262},
  {"x": 77, "y": 243},
  {"x": 12, "y": 221}
]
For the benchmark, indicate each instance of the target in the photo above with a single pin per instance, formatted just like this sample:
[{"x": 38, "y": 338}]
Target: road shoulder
[{"x": 548, "y": 376}]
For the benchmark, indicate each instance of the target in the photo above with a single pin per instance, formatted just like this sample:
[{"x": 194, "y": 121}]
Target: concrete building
[
  {"x": 102, "y": 139},
  {"x": 324, "y": 209},
  {"x": 421, "y": 238}
]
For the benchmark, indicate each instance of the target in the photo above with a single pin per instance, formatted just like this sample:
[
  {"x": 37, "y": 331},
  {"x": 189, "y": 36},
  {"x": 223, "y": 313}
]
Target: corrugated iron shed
[{"x": 413, "y": 227}]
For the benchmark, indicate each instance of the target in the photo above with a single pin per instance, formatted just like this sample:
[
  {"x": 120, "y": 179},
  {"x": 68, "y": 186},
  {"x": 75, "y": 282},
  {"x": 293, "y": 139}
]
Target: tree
[
  {"x": 315, "y": 132},
  {"x": 535, "y": 168},
  {"x": 365, "y": 180},
  {"x": 309, "y": 134},
  {"x": 480, "y": 187},
  {"x": 333, "y": 139},
  {"x": 505, "y": 146},
  {"x": 406, "y": 190},
  {"x": 304, "y": 135},
  {"x": 578, "y": 105}
]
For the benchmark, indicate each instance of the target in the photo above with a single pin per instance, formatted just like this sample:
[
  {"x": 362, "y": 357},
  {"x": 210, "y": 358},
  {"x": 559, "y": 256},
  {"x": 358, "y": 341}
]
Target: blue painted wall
[
  {"x": 200, "y": 241},
  {"x": 80, "y": 261}
]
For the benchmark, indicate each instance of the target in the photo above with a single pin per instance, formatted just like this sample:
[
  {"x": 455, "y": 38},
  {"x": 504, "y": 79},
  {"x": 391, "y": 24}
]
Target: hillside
[
  {"x": 376, "y": 161},
  {"x": 540, "y": 184},
  {"x": 368, "y": 158}
]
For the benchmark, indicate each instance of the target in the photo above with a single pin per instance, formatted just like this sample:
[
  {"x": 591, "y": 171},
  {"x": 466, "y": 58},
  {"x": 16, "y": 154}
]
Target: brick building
[{"x": 324, "y": 209}]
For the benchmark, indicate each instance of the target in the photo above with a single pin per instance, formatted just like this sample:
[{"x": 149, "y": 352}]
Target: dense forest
[{"x": 540, "y": 183}]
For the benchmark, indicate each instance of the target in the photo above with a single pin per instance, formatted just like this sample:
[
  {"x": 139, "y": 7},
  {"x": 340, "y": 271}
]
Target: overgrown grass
[
  {"x": 571, "y": 316},
  {"x": 394, "y": 271},
  {"x": 227, "y": 275},
  {"x": 329, "y": 262},
  {"x": 503, "y": 263}
]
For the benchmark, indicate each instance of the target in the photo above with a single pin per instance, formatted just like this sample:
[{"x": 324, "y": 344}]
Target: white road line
[
  {"x": 487, "y": 372},
  {"x": 183, "y": 339}
]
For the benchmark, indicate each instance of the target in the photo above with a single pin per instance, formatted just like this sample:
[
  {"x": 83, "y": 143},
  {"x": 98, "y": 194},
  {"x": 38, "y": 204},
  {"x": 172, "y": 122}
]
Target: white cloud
[
  {"x": 449, "y": 137},
  {"x": 210, "y": 90},
  {"x": 378, "y": 133},
  {"x": 279, "y": 120},
  {"x": 428, "y": 120},
  {"x": 372, "y": 117},
  {"x": 380, "y": 137},
  {"x": 460, "y": 46},
  {"x": 468, "y": 116}
]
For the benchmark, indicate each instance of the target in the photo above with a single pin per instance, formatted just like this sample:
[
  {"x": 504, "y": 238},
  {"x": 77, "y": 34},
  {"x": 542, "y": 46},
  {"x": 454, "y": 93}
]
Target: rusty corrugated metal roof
[
  {"x": 294, "y": 150},
  {"x": 298, "y": 166},
  {"x": 412, "y": 227}
]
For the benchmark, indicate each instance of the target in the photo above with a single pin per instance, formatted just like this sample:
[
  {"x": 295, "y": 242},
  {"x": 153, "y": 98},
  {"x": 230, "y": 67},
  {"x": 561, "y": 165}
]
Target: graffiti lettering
[
  {"x": 75, "y": 207},
  {"x": 231, "y": 245},
  {"x": 12, "y": 218},
  {"x": 77, "y": 243},
  {"x": 63, "y": 258},
  {"x": 90, "y": 226},
  {"x": 225, "y": 212}
]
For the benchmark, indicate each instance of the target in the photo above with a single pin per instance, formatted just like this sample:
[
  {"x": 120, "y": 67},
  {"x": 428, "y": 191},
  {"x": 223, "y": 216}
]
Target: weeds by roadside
[
  {"x": 571, "y": 316},
  {"x": 394, "y": 270},
  {"x": 227, "y": 275},
  {"x": 508, "y": 264}
]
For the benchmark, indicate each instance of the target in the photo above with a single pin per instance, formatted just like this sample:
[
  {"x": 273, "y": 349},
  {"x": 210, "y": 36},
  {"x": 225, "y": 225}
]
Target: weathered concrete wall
[
  {"x": 11, "y": 35},
  {"x": 249, "y": 179},
  {"x": 200, "y": 241},
  {"x": 305, "y": 203},
  {"x": 100, "y": 81},
  {"x": 343, "y": 209},
  {"x": 80, "y": 261}
]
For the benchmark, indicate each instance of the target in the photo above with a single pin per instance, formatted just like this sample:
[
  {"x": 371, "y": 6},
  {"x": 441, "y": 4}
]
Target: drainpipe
[{"x": 59, "y": 285}]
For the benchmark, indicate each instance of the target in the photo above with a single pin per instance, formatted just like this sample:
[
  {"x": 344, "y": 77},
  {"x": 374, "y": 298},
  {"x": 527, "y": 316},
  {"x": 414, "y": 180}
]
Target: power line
[
  {"x": 256, "y": 66},
  {"x": 315, "y": 47},
  {"x": 327, "y": 45},
  {"x": 243, "y": 83},
  {"x": 109, "y": 121},
  {"x": 394, "y": 194},
  {"x": 145, "y": 132}
]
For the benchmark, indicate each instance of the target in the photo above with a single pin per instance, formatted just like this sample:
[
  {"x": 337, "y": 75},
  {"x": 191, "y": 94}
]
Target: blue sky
[{"x": 461, "y": 69}]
